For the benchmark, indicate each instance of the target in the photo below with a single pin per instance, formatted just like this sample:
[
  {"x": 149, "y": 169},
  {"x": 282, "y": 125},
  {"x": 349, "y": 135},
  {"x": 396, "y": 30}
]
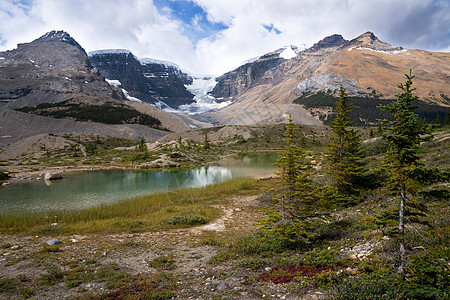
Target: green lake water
[{"x": 85, "y": 189}]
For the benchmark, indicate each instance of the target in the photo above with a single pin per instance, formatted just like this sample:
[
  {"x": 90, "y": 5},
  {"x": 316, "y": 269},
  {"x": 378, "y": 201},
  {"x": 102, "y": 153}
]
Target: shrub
[
  {"x": 334, "y": 230},
  {"x": 249, "y": 186},
  {"x": 54, "y": 275},
  {"x": 260, "y": 243},
  {"x": 288, "y": 274},
  {"x": 428, "y": 276},
  {"x": 252, "y": 262},
  {"x": 185, "y": 220},
  {"x": 373, "y": 287},
  {"x": 4, "y": 175},
  {"x": 26, "y": 292},
  {"x": 72, "y": 283},
  {"x": 162, "y": 263},
  {"x": 142, "y": 288},
  {"x": 7, "y": 285},
  {"x": 51, "y": 249}
]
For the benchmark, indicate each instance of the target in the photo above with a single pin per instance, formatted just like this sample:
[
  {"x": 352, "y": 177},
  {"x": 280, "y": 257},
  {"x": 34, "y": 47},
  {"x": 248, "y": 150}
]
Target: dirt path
[{"x": 188, "y": 252}]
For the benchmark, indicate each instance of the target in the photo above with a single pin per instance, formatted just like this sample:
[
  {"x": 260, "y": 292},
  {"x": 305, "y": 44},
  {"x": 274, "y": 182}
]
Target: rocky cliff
[
  {"x": 52, "y": 68},
  {"x": 234, "y": 83},
  {"x": 149, "y": 80}
]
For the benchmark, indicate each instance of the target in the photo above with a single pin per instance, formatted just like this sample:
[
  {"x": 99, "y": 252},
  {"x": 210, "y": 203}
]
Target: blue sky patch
[
  {"x": 194, "y": 19},
  {"x": 270, "y": 28}
]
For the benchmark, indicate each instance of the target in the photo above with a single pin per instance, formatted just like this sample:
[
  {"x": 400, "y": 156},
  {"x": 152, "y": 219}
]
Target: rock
[
  {"x": 221, "y": 287},
  {"x": 54, "y": 242},
  {"x": 167, "y": 80},
  {"x": 52, "y": 176}
]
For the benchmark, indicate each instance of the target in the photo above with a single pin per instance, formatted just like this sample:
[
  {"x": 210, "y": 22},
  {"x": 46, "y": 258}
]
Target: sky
[{"x": 216, "y": 36}]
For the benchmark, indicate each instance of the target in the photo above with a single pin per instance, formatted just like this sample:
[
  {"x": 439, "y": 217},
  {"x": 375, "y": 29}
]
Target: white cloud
[{"x": 137, "y": 25}]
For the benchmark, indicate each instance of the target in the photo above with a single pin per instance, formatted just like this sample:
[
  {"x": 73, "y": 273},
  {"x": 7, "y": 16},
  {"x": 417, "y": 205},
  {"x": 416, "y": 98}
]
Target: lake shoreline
[{"x": 19, "y": 173}]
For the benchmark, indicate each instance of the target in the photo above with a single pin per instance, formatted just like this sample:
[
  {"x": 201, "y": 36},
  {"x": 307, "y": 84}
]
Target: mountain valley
[
  {"x": 78, "y": 93},
  {"x": 76, "y": 124}
]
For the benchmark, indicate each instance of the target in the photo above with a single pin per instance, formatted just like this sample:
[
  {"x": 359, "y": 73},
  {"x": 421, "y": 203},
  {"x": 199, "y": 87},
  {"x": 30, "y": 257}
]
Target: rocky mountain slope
[
  {"x": 52, "y": 68},
  {"x": 265, "y": 89},
  {"x": 152, "y": 81},
  {"x": 53, "y": 76},
  {"x": 55, "y": 69},
  {"x": 15, "y": 126},
  {"x": 233, "y": 83}
]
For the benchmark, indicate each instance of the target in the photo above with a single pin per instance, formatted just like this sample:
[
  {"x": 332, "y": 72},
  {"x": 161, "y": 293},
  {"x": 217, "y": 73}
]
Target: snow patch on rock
[
  {"x": 130, "y": 97},
  {"x": 383, "y": 51},
  {"x": 109, "y": 51},
  {"x": 113, "y": 82},
  {"x": 288, "y": 53}
]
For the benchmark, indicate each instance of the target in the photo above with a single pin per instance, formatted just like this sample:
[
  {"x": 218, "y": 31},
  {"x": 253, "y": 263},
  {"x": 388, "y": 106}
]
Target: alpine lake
[{"x": 80, "y": 190}]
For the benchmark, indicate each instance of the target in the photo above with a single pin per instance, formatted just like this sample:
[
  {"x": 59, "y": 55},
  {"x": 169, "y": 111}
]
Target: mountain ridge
[
  {"x": 365, "y": 66},
  {"x": 261, "y": 91}
]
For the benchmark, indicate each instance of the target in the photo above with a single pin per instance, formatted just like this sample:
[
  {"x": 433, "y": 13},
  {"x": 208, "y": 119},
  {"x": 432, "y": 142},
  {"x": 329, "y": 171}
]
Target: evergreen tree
[
  {"x": 294, "y": 195},
  {"x": 206, "y": 144},
  {"x": 447, "y": 118},
  {"x": 141, "y": 146},
  {"x": 438, "y": 121},
  {"x": 344, "y": 148},
  {"x": 403, "y": 137}
]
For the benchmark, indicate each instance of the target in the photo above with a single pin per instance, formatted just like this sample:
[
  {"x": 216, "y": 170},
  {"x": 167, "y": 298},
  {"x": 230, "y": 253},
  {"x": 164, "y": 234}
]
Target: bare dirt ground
[{"x": 22, "y": 259}]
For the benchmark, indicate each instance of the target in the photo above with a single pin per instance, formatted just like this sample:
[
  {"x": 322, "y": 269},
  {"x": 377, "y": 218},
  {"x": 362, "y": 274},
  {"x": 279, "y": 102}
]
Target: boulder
[
  {"x": 52, "y": 176},
  {"x": 54, "y": 242}
]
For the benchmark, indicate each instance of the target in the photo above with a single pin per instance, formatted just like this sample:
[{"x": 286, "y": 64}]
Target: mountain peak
[
  {"x": 335, "y": 40},
  {"x": 366, "y": 38},
  {"x": 369, "y": 40},
  {"x": 58, "y": 36}
]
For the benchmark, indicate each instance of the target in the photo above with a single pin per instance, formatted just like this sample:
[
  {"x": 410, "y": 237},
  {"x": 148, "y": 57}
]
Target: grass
[
  {"x": 174, "y": 209},
  {"x": 322, "y": 263},
  {"x": 162, "y": 263}
]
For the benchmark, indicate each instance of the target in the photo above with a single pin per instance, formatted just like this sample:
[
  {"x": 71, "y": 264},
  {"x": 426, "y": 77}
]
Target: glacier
[{"x": 200, "y": 88}]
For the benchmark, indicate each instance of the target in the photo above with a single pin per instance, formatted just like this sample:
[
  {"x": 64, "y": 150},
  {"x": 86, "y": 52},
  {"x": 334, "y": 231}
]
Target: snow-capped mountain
[
  {"x": 265, "y": 88},
  {"x": 149, "y": 80},
  {"x": 160, "y": 83},
  {"x": 233, "y": 83}
]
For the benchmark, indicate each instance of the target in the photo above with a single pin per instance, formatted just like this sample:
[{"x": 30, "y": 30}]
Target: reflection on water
[{"x": 86, "y": 189}]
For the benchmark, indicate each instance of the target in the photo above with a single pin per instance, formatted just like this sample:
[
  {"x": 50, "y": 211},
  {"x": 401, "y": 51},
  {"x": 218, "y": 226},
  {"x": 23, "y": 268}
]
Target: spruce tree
[
  {"x": 447, "y": 118},
  {"x": 438, "y": 121},
  {"x": 404, "y": 135},
  {"x": 206, "y": 144},
  {"x": 294, "y": 195},
  {"x": 344, "y": 148}
]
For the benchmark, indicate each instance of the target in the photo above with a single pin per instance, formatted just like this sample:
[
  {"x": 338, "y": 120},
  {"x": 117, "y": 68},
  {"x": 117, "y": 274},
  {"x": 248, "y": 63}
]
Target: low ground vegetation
[{"x": 205, "y": 243}]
